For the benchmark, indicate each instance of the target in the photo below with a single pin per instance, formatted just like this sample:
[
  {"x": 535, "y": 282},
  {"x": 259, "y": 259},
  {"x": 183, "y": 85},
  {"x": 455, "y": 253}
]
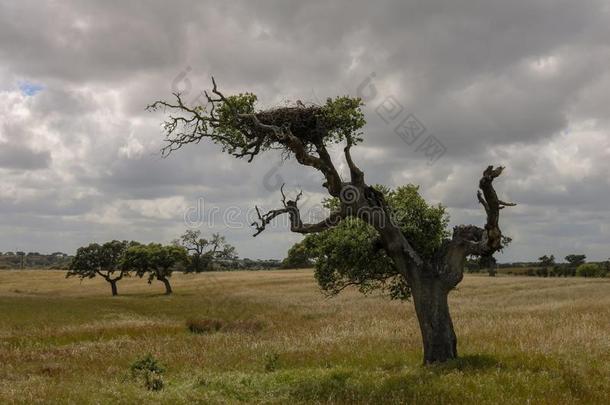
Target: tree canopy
[
  {"x": 155, "y": 261},
  {"x": 101, "y": 260}
]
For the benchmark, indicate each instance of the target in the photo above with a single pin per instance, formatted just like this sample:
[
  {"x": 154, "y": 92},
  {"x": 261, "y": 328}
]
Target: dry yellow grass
[{"x": 521, "y": 339}]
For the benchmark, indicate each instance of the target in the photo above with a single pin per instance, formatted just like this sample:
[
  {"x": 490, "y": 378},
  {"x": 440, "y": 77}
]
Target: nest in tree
[{"x": 306, "y": 123}]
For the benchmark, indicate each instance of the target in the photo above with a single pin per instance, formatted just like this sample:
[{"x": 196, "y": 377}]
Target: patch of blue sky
[{"x": 30, "y": 89}]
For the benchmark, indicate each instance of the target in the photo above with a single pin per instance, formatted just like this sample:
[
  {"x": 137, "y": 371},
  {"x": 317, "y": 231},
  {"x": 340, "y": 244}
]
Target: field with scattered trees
[{"x": 272, "y": 337}]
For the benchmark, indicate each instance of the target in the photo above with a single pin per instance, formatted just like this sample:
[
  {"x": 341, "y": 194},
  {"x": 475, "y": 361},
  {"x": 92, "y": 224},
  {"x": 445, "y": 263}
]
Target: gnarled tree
[{"x": 306, "y": 133}]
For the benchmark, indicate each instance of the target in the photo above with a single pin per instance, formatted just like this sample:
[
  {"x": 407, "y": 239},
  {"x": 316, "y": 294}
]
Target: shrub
[
  {"x": 589, "y": 270},
  {"x": 272, "y": 362},
  {"x": 149, "y": 371}
]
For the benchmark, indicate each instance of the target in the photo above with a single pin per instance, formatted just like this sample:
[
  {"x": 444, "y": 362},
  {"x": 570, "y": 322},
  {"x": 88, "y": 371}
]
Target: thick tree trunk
[
  {"x": 168, "y": 287},
  {"x": 440, "y": 342},
  {"x": 113, "y": 287}
]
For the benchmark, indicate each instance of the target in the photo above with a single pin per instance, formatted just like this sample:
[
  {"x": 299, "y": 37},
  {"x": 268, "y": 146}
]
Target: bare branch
[{"x": 290, "y": 207}]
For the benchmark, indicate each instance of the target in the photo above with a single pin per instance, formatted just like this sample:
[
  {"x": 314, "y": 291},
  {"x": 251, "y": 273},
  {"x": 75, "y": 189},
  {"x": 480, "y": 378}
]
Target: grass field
[{"x": 521, "y": 340}]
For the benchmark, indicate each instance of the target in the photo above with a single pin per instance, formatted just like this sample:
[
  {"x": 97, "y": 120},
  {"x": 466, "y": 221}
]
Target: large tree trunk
[
  {"x": 440, "y": 342},
  {"x": 113, "y": 287},
  {"x": 168, "y": 287}
]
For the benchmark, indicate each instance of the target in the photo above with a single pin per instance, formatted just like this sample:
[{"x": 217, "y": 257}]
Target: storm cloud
[{"x": 524, "y": 84}]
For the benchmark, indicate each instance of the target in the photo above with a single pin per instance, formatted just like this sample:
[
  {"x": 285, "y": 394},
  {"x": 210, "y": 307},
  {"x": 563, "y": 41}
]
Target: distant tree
[
  {"x": 156, "y": 261},
  {"x": 21, "y": 259},
  {"x": 298, "y": 257},
  {"x": 203, "y": 253},
  {"x": 576, "y": 260},
  {"x": 101, "y": 260},
  {"x": 547, "y": 261},
  {"x": 589, "y": 270},
  {"x": 573, "y": 262},
  {"x": 545, "y": 266}
]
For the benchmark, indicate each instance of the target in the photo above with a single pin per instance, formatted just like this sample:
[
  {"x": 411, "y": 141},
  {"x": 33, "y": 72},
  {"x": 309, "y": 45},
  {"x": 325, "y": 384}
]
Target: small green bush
[
  {"x": 590, "y": 270},
  {"x": 148, "y": 370},
  {"x": 272, "y": 362}
]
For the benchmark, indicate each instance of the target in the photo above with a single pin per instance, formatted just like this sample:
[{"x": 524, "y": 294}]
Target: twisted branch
[
  {"x": 484, "y": 241},
  {"x": 291, "y": 208}
]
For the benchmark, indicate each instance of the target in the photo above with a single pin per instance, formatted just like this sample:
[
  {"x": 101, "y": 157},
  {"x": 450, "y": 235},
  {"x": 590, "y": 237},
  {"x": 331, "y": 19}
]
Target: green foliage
[
  {"x": 154, "y": 259},
  {"x": 95, "y": 258},
  {"x": 230, "y": 125},
  {"x": 590, "y": 270},
  {"x": 343, "y": 118},
  {"x": 547, "y": 260},
  {"x": 424, "y": 226},
  {"x": 350, "y": 253},
  {"x": 297, "y": 258},
  {"x": 149, "y": 371},
  {"x": 575, "y": 260}
]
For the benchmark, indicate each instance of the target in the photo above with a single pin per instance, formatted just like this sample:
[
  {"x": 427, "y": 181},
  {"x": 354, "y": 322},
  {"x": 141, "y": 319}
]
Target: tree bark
[
  {"x": 113, "y": 287},
  {"x": 168, "y": 287},
  {"x": 432, "y": 309}
]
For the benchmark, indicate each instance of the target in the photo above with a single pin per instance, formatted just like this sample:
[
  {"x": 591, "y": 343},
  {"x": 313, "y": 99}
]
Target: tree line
[
  {"x": 575, "y": 265},
  {"x": 34, "y": 260}
]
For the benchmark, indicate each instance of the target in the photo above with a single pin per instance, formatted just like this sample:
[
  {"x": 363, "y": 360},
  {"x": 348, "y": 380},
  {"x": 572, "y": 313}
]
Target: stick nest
[{"x": 306, "y": 123}]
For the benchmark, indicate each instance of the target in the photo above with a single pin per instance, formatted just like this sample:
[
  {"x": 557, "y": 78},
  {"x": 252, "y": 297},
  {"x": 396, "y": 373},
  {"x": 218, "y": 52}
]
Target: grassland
[{"x": 521, "y": 340}]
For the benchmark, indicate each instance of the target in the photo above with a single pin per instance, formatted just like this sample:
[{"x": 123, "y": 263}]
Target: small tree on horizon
[
  {"x": 101, "y": 260},
  {"x": 156, "y": 261},
  {"x": 573, "y": 262},
  {"x": 203, "y": 253},
  {"x": 546, "y": 266}
]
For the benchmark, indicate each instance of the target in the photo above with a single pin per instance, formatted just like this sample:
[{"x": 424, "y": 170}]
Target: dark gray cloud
[{"x": 522, "y": 83}]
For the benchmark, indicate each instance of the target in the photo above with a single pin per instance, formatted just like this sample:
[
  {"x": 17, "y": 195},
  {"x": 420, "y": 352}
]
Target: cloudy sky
[{"x": 525, "y": 84}]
